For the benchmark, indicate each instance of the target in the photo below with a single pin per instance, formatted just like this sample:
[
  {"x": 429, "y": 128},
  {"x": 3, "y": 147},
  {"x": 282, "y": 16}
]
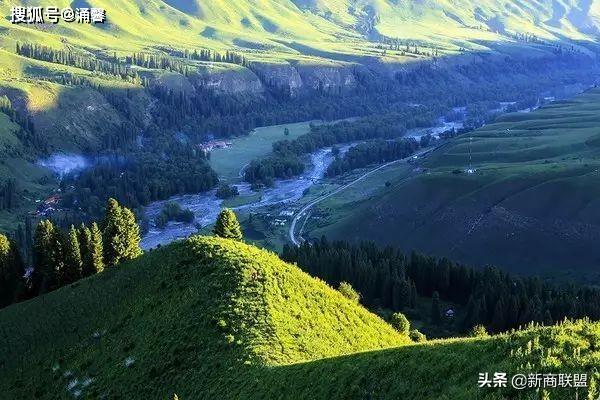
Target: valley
[
  {"x": 300, "y": 199},
  {"x": 523, "y": 162}
]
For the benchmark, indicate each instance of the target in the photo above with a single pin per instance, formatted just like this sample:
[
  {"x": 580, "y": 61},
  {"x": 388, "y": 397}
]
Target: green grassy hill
[
  {"x": 212, "y": 318},
  {"x": 535, "y": 188}
]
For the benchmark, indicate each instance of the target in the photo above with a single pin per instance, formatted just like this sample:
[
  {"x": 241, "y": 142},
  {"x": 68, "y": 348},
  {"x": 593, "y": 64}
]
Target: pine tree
[
  {"x": 95, "y": 262},
  {"x": 85, "y": 240},
  {"x": 72, "y": 262},
  {"x": 121, "y": 234},
  {"x": 227, "y": 225},
  {"x": 111, "y": 232},
  {"x": 45, "y": 273},
  {"x": 12, "y": 282},
  {"x": 132, "y": 235}
]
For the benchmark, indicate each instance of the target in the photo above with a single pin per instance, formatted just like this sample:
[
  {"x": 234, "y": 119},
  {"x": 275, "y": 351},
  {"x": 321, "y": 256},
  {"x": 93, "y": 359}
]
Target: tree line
[
  {"x": 136, "y": 179},
  {"x": 387, "y": 278},
  {"x": 378, "y": 151},
  {"x": 74, "y": 59},
  {"x": 27, "y": 133},
  {"x": 230, "y": 57},
  {"x": 285, "y": 162},
  {"x": 63, "y": 257}
]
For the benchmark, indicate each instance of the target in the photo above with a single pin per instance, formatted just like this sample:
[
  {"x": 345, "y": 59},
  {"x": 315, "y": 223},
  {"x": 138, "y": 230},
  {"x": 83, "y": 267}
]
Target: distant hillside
[
  {"x": 297, "y": 28},
  {"x": 212, "y": 318},
  {"x": 531, "y": 205}
]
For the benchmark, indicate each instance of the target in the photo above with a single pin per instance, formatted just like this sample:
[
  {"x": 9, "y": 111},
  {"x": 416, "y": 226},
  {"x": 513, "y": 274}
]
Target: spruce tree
[
  {"x": 72, "y": 262},
  {"x": 121, "y": 234},
  {"x": 12, "y": 282},
  {"x": 85, "y": 239},
  {"x": 111, "y": 232},
  {"x": 227, "y": 225},
  {"x": 96, "y": 249},
  {"x": 132, "y": 236},
  {"x": 91, "y": 250},
  {"x": 45, "y": 273}
]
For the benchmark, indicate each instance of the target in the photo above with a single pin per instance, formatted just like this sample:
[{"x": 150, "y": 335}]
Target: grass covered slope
[
  {"x": 535, "y": 186},
  {"x": 199, "y": 317},
  {"x": 212, "y": 318}
]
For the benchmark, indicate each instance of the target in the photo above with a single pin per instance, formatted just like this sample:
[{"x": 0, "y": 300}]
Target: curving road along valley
[{"x": 303, "y": 211}]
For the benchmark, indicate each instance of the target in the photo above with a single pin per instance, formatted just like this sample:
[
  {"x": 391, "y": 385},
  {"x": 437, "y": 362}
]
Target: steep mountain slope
[
  {"x": 212, "y": 318},
  {"x": 200, "y": 315},
  {"x": 275, "y": 25},
  {"x": 530, "y": 206}
]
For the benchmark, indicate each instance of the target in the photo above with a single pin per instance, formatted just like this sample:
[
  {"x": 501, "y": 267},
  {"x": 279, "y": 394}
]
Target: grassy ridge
[
  {"x": 535, "y": 187},
  {"x": 188, "y": 315},
  {"x": 211, "y": 318}
]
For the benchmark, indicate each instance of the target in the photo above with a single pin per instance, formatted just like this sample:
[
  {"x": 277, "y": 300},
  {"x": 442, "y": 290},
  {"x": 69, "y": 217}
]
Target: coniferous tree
[
  {"x": 45, "y": 275},
  {"x": 96, "y": 249},
  {"x": 72, "y": 262},
  {"x": 85, "y": 239},
  {"x": 227, "y": 225},
  {"x": 91, "y": 250},
  {"x": 132, "y": 235},
  {"x": 121, "y": 234},
  {"x": 12, "y": 282}
]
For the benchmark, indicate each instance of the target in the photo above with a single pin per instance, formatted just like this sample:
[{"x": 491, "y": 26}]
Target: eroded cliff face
[
  {"x": 327, "y": 77},
  {"x": 279, "y": 76},
  {"x": 259, "y": 78},
  {"x": 228, "y": 81}
]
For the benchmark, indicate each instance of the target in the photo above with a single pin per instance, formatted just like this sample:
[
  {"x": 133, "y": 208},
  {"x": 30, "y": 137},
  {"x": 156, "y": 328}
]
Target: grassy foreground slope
[
  {"x": 199, "y": 317},
  {"x": 211, "y": 318},
  {"x": 535, "y": 186}
]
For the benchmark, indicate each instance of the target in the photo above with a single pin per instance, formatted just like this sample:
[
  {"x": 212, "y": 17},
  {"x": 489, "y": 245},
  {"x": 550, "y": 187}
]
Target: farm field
[{"x": 535, "y": 186}]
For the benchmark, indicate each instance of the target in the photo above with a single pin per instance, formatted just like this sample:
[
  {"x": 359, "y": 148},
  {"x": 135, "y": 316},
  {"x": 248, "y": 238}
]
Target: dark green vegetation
[
  {"x": 392, "y": 110},
  {"x": 227, "y": 225},
  {"x": 173, "y": 212},
  {"x": 379, "y": 151},
  {"x": 61, "y": 258},
  {"x": 138, "y": 179},
  {"x": 531, "y": 204},
  {"x": 12, "y": 283},
  {"x": 214, "y": 318},
  {"x": 388, "y": 279},
  {"x": 227, "y": 191}
]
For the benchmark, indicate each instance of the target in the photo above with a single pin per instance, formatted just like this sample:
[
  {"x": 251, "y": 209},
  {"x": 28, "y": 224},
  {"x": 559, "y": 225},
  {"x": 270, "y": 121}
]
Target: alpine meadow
[{"x": 300, "y": 199}]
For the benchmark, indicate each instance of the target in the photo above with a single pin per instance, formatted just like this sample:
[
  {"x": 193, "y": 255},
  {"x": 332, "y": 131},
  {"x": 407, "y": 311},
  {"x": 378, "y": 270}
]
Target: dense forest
[
  {"x": 378, "y": 151},
  {"x": 387, "y": 278},
  {"x": 416, "y": 98},
  {"x": 285, "y": 160},
  {"x": 138, "y": 178}
]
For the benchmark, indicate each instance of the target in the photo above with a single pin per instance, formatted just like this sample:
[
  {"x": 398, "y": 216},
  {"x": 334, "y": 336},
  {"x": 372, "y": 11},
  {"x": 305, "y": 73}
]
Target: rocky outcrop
[
  {"x": 328, "y": 77},
  {"x": 279, "y": 76},
  {"x": 228, "y": 80}
]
